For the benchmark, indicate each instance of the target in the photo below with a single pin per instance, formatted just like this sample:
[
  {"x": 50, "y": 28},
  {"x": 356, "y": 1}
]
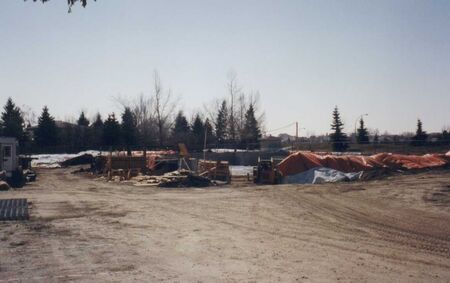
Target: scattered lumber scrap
[{"x": 175, "y": 179}]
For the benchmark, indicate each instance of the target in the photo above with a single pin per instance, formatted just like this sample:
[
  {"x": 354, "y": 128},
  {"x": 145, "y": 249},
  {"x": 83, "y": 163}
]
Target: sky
[{"x": 389, "y": 59}]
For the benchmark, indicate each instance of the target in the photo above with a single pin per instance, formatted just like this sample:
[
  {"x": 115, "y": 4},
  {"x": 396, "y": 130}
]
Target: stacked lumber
[
  {"x": 214, "y": 170},
  {"x": 126, "y": 162}
]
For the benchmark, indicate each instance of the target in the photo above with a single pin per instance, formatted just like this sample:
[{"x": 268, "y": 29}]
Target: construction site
[
  {"x": 224, "y": 141},
  {"x": 166, "y": 216}
]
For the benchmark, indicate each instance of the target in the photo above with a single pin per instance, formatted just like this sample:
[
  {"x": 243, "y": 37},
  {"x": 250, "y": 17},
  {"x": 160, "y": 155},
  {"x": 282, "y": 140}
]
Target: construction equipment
[
  {"x": 266, "y": 172},
  {"x": 184, "y": 155}
]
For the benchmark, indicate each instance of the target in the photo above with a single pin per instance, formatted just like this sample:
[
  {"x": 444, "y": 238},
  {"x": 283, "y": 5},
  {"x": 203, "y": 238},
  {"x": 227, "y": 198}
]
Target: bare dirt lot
[{"x": 391, "y": 230}]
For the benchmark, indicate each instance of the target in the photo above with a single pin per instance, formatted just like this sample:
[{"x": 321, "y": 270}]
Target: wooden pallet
[{"x": 14, "y": 209}]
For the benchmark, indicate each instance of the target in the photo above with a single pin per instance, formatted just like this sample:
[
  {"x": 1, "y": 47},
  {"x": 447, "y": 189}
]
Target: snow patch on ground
[
  {"x": 241, "y": 170},
  {"x": 54, "y": 160}
]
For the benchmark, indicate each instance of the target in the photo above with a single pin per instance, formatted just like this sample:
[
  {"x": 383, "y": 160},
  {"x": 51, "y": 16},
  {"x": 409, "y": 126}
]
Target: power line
[{"x": 281, "y": 128}]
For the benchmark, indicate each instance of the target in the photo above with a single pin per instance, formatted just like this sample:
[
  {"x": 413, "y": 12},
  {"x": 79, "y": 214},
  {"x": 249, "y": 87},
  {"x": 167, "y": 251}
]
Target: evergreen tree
[
  {"x": 198, "y": 132},
  {"x": 338, "y": 137},
  {"x": 376, "y": 138},
  {"x": 252, "y": 133},
  {"x": 82, "y": 133},
  {"x": 82, "y": 121},
  {"x": 363, "y": 133},
  {"x": 12, "y": 123},
  {"x": 221, "y": 124},
  {"x": 129, "y": 131},
  {"x": 180, "y": 131},
  {"x": 209, "y": 132},
  {"x": 96, "y": 129},
  {"x": 111, "y": 131},
  {"x": 444, "y": 139},
  {"x": 71, "y": 136},
  {"x": 421, "y": 136},
  {"x": 46, "y": 133}
]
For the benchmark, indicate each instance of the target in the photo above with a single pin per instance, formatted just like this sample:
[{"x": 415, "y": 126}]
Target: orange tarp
[{"x": 302, "y": 161}]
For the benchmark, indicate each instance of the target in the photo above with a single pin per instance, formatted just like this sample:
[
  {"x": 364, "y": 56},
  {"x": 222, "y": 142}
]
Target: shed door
[{"x": 7, "y": 158}]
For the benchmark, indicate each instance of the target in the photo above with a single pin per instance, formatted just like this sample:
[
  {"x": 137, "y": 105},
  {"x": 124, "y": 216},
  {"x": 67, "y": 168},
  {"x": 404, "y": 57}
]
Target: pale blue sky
[{"x": 390, "y": 59}]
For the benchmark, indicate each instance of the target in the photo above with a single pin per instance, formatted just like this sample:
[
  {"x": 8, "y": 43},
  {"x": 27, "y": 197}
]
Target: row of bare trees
[{"x": 235, "y": 120}]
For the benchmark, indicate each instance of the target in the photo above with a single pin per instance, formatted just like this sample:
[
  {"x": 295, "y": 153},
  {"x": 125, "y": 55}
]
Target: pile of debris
[{"x": 175, "y": 179}]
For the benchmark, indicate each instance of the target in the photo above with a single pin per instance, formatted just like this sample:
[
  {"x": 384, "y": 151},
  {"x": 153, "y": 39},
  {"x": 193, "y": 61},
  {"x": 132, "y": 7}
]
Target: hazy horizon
[{"x": 389, "y": 59}]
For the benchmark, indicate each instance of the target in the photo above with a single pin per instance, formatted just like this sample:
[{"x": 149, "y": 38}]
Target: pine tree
[
  {"x": 421, "y": 136},
  {"x": 12, "y": 123},
  {"x": 82, "y": 132},
  {"x": 198, "y": 132},
  {"x": 363, "y": 133},
  {"x": 221, "y": 124},
  {"x": 445, "y": 137},
  {"x": 209, "y": 132},
  {"x": 338, "y": 137},
  {"x": 376, "y": 138},
  {"x": 252, "y": 133},
  {"x": 111, "y": 131},
  {"x": 180, "y": 131},
  {"x": 82, "y": 121},
  {"x": 96, "y": 129},
  {"x": 46, "y": 133},
  {"x": 129, "y": 131}
]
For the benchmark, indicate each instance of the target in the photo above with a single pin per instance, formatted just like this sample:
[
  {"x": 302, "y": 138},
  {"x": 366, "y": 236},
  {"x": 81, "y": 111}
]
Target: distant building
[{"x": 270, "y": 143}]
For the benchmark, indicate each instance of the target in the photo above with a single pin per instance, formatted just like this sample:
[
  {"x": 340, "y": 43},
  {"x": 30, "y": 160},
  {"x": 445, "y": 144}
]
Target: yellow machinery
[{"x": 266, "y": 172}]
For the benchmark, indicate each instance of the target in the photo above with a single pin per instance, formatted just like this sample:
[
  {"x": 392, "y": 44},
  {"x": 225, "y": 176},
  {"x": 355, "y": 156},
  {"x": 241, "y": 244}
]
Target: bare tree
[
  {"x": 29, "y": 116},
  {"x": 234, "y": 90},
  {"x": 142, "y": 109},
  {"x": 164, "y": 107}
]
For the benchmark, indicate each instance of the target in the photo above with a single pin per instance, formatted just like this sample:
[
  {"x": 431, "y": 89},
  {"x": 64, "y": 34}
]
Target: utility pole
[
  {"x": 204, "y": 143},
  {"x": 296, "y": 134}
]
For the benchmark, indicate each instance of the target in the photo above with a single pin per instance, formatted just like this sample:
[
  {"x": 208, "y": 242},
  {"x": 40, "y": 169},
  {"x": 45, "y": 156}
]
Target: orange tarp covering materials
[{"x": 302, "y": 161}]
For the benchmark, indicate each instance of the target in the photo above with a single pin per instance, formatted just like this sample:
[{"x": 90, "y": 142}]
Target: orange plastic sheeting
[
  {"x": 302, "y": 161},
  {"x": 401, "y": 161}
]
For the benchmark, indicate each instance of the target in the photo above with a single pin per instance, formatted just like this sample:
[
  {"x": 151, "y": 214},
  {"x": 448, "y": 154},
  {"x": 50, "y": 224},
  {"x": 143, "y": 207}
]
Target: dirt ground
[{"x": 391, "y": 230}]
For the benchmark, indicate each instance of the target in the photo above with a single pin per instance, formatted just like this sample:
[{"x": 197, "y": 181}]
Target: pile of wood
[
  {"x": 125, "y": 167},
  {"x": 214, "y": 170},
  {"x": 179, "y": 178}
]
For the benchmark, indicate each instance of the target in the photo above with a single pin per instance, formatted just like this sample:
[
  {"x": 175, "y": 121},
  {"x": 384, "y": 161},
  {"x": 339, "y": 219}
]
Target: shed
[{"x": 9, "y": 160}]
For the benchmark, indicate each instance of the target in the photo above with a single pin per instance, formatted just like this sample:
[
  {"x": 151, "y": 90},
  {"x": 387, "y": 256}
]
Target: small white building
[{"x": 9, "y": 160}]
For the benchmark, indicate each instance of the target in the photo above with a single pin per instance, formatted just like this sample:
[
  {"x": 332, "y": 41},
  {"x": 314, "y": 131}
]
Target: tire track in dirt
[
  {"x": 318, "y": 240},
  {"x": 383, "y": 229}
]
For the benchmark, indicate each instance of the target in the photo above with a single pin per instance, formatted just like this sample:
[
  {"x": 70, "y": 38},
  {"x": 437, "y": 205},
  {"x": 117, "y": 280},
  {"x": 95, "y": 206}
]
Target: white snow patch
[
  {"x": 54, "y": 160},
  {"x": 241, "y": 170}
]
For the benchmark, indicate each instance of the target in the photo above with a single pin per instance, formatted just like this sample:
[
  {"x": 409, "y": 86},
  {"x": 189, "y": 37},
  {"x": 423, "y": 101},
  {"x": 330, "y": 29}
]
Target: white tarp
[
  {"x": 321, "y": 175},
  {"x": 54, "y": 160},
  {"x": 241, "y": 170}
]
